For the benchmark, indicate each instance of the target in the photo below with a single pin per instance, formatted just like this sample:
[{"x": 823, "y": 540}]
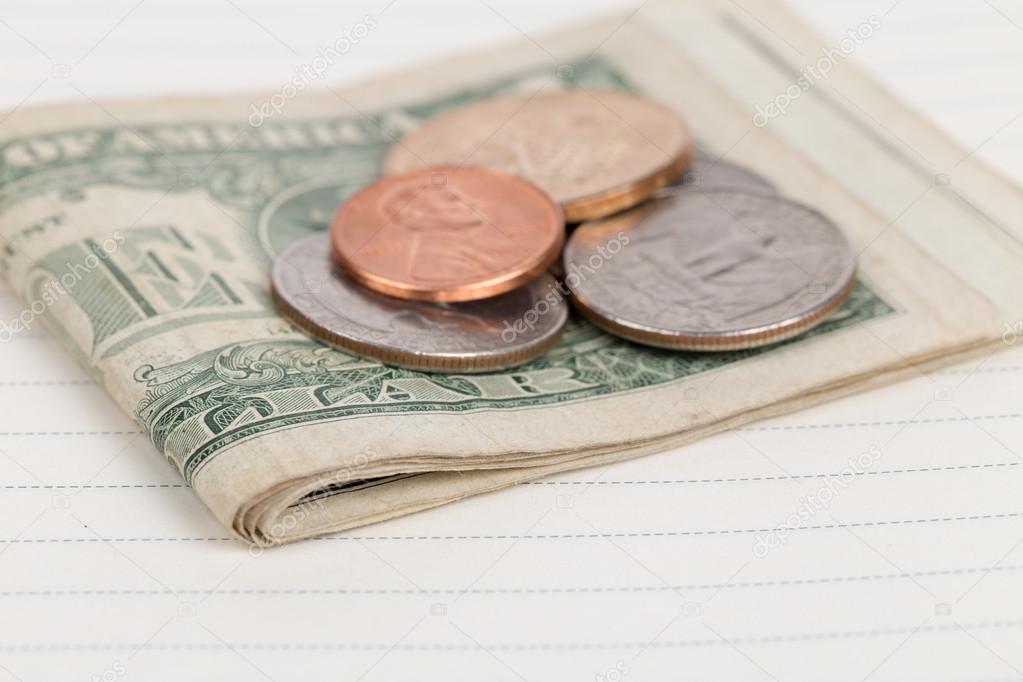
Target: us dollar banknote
[{"x": 142, "y": 232}]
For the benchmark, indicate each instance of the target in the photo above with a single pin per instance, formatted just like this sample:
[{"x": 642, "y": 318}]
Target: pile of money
[
  {"x": 143, "y": 233},
  {"x": 428, "y": 269},
  {"x": 443, "y": 266}
]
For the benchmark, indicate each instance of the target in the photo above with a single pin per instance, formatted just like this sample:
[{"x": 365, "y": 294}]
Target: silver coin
[
  {"x": 719, "y": 269},
  {"x": 477, "y": 336},
  {"x": 705, "y": 171}
]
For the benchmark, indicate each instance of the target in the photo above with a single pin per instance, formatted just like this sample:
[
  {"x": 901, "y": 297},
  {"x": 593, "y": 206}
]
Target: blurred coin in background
[{"x": 593, "y": 151}]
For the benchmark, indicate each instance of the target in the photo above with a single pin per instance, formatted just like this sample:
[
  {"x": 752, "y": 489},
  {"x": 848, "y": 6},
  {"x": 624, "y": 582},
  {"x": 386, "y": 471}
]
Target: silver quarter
[
  {"x": 477, "y": 336},
  {"x": 718, "y": 269}
]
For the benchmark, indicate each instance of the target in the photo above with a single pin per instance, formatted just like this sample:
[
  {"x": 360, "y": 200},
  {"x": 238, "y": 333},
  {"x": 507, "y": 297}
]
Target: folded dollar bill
[{"x": 143, "y": 233}]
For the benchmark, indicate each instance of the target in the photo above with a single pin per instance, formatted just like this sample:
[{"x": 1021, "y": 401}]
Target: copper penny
[
  {"x": 447, "y": 234},
  {"x": 593, "y": 151}
]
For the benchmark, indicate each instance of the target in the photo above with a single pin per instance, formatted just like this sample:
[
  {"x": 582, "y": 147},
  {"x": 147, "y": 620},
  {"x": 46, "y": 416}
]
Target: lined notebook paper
[{"x": 878, "y": 537}]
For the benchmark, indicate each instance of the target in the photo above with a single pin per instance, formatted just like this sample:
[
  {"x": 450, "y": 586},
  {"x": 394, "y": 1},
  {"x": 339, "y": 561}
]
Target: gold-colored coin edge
[{"x": 627, "y": 196}]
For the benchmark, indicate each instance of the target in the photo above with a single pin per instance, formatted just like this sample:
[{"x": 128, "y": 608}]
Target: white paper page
[{"x": 905, "y": 564}]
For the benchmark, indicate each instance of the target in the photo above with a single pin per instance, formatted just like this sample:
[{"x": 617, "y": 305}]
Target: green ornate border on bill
[{"x": 247, "y": 389}]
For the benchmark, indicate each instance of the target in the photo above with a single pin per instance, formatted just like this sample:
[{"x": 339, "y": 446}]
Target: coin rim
[
  {"x": 455, "y": 363},
  {"x": 608, "y": 201},
  {"x": 753, "y": 337},
  {"x": 740, "y": 339},
  {"x": 492, "y": 286},
  {"x": 627, "y": 196}
]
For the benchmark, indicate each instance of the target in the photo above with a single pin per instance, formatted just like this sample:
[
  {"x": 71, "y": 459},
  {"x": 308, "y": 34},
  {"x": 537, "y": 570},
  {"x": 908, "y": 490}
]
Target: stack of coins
[
  {"x": 449, "y": 262},
  {"x": 427, "y": 269}
]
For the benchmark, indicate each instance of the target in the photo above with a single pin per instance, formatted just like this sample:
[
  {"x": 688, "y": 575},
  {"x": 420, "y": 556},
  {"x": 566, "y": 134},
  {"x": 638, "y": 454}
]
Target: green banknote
[{"x": 142, "y": 233}]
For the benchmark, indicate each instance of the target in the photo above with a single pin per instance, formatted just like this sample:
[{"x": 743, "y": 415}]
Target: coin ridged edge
[
  {"x": 617, "y": 199},
  {"x": 739, "y": 340},
  {"x": 439, "y": 362}
]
